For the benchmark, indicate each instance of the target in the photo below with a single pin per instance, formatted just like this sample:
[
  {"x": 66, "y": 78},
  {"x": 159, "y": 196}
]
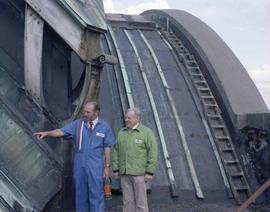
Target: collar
[
  {"x": 137, "y": 127},
  {"x": 94, "y": 123}
]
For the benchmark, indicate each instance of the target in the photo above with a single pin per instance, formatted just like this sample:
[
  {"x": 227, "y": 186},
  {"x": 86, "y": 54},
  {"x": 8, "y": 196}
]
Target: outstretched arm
[{"x": 52, "y": 133}]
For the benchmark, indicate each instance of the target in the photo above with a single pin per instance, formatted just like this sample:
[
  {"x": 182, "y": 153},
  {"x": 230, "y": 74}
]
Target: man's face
[
  {"x": 90, "y": 113},
  {"x": 131, "y": 119}
]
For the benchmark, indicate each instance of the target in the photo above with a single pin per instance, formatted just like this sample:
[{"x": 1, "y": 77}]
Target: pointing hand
[{"x": 40, "y": 135}]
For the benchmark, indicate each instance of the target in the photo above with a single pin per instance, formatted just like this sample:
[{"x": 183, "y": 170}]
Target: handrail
[{"x": 254, "y": 196}]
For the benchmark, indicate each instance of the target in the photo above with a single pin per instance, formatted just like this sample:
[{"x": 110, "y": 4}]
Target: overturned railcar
[{"x": 211, "y": 123}]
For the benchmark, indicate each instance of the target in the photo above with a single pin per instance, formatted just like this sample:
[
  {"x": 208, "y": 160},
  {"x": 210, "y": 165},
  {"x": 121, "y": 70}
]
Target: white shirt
[
  {"x": 135, "y": 126},
  {"x": 94, "y": 123}
]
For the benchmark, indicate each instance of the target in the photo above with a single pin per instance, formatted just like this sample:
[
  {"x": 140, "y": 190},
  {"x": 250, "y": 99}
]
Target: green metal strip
[
  {"x": 123, "y": 69},
  {"x": 124, "y": 108},
  {"x": 156, "y": 117},
  {"x": 194, "y": 177}
]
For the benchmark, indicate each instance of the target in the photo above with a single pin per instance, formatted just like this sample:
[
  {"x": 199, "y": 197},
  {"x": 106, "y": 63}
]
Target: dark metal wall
[
  {"x": 12, "y": 29},
  {"x": 30, "y": 172},
  {"x": 62, "y": 75}
]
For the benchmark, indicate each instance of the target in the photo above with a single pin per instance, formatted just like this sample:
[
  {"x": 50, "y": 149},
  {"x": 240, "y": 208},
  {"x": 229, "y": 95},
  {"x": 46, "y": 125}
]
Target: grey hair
[{"x": 136, "y": 111}]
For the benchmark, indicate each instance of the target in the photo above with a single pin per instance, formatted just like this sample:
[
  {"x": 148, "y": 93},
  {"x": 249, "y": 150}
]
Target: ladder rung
[
  {"x": 180, "y": 46},
  {"x": 197, "y": 69},
  {"x": 175, "y": 42},
  {"x": 181, "y": 52},
  {"x": 222, "y": 137},
  {"x": 210, "y": 105},
  {"x": 203, "y": 89},
  {"x": 192, "y": 64},
  {"x": 196, "y": 74},
  {"x": 227, "y": 149},
  {"x": 213, "y": 115},
  {"x": 208, "y": 97},
  {"x": 189, "y": 57},
  {"x": 202, "y": 85},
  {"x": 218, "y": 126},
  {"x": 169, "y": 34},
  {"x": 241, "y": 188},
  {"x": 231, "y": 161},
  {"x": 237, "y": 174},
  {"x": 200, "y": 82}
]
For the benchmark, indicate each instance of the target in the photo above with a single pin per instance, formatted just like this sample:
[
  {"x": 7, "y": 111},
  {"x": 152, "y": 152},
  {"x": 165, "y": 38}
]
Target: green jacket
[{"x": 135, "y": 152}]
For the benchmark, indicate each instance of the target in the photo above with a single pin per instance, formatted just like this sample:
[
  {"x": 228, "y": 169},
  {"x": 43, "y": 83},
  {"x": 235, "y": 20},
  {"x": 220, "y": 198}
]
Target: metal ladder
[{"x": 232, "y": 166}]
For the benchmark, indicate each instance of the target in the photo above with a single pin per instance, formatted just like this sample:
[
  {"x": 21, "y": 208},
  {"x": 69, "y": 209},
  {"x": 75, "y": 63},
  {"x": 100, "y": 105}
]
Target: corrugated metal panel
[
  {"x": 29, "y": 176},
  {"x": 30, "y": 173}
]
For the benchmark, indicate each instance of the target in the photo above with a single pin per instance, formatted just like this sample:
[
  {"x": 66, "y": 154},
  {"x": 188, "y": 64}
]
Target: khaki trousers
[{"x": 134, "y": 194}]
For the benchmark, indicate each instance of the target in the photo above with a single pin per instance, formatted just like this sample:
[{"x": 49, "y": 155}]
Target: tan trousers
[{"x": 134, "y": 194}]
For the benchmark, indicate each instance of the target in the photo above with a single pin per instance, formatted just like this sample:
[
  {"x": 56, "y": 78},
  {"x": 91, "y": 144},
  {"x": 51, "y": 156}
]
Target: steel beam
[
  {"x": 61, "y": 22},
  {"x": 33, "y": 39}
]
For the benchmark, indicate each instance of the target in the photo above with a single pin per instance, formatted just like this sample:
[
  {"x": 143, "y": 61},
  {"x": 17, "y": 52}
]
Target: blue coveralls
[{"x": 88, "y": 162}]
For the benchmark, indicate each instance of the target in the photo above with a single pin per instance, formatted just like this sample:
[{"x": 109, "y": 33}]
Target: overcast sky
[{"x": 243, "y": 24}]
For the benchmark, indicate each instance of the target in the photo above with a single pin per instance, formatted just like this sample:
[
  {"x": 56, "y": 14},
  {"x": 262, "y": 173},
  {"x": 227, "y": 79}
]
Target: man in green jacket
[{"x": 135, "y": 161}]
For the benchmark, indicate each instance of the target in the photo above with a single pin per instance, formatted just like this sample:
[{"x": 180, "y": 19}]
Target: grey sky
[{"x": 243, "y": 24}]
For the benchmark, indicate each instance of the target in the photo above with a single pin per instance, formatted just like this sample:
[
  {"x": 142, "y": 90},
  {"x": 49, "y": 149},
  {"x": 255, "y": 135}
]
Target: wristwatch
[{"x": 107, "y": 165}]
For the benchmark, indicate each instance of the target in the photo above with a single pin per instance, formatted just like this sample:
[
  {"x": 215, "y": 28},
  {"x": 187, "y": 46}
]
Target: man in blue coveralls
[{"x": 92, "y": 138}]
